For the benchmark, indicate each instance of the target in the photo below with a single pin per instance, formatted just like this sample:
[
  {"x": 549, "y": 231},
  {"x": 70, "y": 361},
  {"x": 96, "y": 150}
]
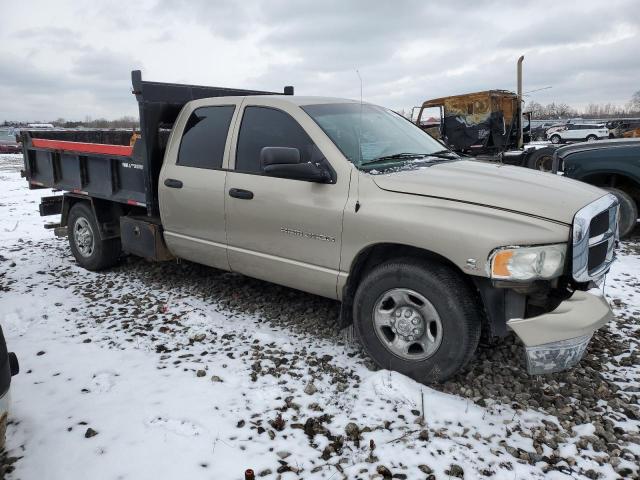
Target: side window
[
  {"x": 204, "y": 137},
  {"x": 269, "y": 127}
]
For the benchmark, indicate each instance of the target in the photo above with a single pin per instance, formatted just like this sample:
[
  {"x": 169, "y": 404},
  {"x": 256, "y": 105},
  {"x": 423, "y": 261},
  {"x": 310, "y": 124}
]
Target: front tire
[
  {"x": 555, "y": 139},
  {"x": 418, "y": 318},
  {"x": 591, "y": 138},
  {"x": 628, "y": 211},
  {"x": 89, "y": 250}
]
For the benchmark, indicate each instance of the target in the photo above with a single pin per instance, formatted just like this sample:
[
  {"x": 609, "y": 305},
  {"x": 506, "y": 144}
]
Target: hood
[{"x": 495, "y": 185}]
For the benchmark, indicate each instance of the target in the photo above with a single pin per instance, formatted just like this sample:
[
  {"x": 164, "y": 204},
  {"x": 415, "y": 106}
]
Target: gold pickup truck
[{"x": 347, "y": 200}]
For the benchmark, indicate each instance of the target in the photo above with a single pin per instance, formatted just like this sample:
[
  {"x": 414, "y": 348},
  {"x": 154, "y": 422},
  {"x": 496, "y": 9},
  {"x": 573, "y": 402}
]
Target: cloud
[{"x": 406, "y": 52}]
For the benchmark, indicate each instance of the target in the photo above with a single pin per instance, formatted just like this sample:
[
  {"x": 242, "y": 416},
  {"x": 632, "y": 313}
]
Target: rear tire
[
  {"x": 555, "y": 139},
  {"x": 591, "y": 138},
  {"x": 89, "y": 250},
  {"x": 437, "y": 329},
  {"x": 628, "y": 211}
]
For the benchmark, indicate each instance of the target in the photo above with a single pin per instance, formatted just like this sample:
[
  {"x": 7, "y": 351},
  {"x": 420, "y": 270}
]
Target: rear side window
[
  {"x": 204, "y": 137},
  {"x": 268, "y": 127}
]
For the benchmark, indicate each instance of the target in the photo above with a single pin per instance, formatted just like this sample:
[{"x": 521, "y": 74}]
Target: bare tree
[
  {"x": 535, "y": 108},
  {"x": 634, "y": 103}
]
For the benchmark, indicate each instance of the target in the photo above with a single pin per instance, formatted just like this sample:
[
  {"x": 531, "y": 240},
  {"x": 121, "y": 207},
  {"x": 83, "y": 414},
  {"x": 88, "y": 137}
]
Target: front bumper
[{"x": 557, "y": 340}]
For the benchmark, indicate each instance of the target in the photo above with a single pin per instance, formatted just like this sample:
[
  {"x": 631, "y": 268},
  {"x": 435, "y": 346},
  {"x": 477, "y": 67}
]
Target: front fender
[{"x": 463, "y": 233}]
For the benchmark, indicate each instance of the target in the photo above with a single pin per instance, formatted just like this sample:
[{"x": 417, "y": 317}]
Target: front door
[
  {"x": 192, "y": 182},
  {"x": 282, "y": 230}
]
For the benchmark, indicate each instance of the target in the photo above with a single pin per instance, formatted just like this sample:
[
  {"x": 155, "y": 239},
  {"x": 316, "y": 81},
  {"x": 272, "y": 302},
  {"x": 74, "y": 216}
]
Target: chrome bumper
[{"x": 557, "y": 340}]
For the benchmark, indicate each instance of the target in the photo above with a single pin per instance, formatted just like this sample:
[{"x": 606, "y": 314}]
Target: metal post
[{"x": 520, "y": 108}]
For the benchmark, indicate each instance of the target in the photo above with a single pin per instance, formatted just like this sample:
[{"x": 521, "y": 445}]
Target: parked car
[
  {"x": 424, "y": 249},
  {"x": 577, "y": 132},
  {"x": 556, "y": 126},
  {"x": 8, "y": 142},
  {"x": 633, "y": 132},
  {"x": 624, "y": 128},
  {"x": 613, "y": 165},
  {"x": 539, "y": 130},
  {"x": 8, "y": 368}
]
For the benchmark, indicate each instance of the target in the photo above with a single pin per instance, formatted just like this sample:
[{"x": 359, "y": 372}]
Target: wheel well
[
  {"x": 373, "y": 256},
  {"x": 615, "y": 180},
  {"x": 107, "y": 213}
]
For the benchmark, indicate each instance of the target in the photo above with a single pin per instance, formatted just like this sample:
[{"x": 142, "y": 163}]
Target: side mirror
[{"x": 284, "y": 162}]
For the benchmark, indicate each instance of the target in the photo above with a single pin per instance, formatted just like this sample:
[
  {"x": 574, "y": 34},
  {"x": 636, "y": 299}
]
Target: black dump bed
[{"x": 118, "y": 165}]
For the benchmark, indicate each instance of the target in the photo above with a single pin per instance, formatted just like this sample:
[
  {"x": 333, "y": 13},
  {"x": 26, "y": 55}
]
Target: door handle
[
  {"x": 239, "y": 193},
  {"x": 173, "y": 183}
]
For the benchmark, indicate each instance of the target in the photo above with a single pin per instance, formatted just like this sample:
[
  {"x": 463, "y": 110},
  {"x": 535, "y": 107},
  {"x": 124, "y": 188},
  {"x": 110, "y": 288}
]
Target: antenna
[
  {"x": 359, "y": 147},
  {"x": 360, "y": 125}
]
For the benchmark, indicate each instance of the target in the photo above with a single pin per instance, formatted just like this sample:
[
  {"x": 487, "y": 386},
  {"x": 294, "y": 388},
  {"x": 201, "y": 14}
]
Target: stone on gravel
[
  {"x": 384, "y": 471},
  {"x": 310, "y": 388},
  {"x": 455, "y": 471}
]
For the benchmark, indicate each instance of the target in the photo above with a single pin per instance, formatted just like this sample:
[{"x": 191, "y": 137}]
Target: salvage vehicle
[
  {"x": 348, "y": 200},
  {"x": 484, "y": 125},
  {"x": 8, "y": 368},
  {"x": 488, "y": 125},
  {"x": 613, "y": 165},
  {"x": 477, "y": 123},
  {"x": 627, "y": 128},
  {"x": 578, "y": 132},
  {"x": 539, "y": 129}
]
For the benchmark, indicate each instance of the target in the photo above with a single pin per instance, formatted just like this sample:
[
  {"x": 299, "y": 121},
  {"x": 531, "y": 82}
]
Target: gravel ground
[
  {"x": 592, "y": 410},
  {"x": 594, "y": 392}
]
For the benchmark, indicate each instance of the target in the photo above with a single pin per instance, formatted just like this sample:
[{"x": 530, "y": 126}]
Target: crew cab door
[
  {"x": 282, "y": 230},
  {"x": 192, "y": 181}
]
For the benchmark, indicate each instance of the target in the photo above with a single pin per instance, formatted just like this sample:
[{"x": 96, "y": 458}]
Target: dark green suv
[{"x": 613, "y": 165}]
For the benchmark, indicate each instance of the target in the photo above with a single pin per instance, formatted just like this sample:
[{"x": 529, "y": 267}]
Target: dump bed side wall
[{"x": 110, "y": 177}]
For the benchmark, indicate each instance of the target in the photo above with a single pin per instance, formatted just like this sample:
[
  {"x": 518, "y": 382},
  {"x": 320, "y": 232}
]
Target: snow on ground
[{"x": 128, "y": 374}]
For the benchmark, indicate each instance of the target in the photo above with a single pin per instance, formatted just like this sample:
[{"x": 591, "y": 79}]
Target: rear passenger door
[{"x": 192, "y": 182}]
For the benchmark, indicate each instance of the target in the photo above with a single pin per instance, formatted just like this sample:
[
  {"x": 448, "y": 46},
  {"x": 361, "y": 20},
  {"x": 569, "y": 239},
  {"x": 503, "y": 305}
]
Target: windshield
[{"x": 368, "y": 134}]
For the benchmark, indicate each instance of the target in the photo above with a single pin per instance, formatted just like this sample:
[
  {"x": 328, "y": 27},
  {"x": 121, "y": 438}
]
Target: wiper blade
[
  {"x": 396, "y": 156},
  {"x": 443, "y": 154},
  {"x": 408, "y": 156}
]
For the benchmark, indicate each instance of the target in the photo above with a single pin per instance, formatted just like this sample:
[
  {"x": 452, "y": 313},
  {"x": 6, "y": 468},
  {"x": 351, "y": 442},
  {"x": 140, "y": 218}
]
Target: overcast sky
[{"x": 73, "y": 59}]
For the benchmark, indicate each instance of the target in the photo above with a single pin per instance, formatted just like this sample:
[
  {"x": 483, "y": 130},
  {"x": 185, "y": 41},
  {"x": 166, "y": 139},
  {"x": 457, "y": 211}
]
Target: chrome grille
[{"x": 595, "y": 232}]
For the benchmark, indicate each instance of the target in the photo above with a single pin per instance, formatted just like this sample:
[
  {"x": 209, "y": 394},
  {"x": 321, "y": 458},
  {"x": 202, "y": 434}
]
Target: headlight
[{"x": 528, "y": 263}]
